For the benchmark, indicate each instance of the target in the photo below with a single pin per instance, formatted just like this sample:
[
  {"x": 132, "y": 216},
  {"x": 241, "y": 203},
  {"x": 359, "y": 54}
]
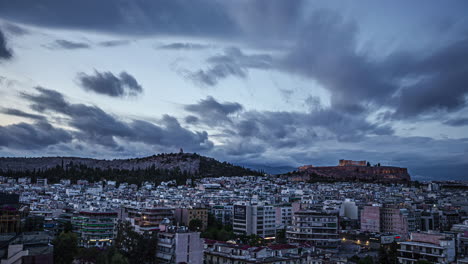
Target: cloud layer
[
  {"x": 92, "y": 125},
  {"x": 107, "y": 83},
  {"x": 363, "y": 90}
]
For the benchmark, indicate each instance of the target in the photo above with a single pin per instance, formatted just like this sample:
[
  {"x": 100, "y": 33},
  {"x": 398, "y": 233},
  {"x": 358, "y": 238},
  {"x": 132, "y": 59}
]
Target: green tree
[
  {"x": 423, "y": 262},
  {"x": 118, "y": 258},
  {"x": 127, "y": 239},
  {"x": 135, "y": 247},
  {"x": 65, "y": 248},
  {"x": 195, "y": 225},
  {"x": 88, "y": 255},
  {"x": 388, "y": 253},
  {"x": 252, "y": 240},
  {"x": 366, "y": 260},
  {"x": 67, "y": 227},
  {"x": 281, "y": 236}
]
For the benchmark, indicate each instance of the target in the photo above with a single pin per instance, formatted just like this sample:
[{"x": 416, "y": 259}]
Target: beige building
[{"x": 183, "y": 216}]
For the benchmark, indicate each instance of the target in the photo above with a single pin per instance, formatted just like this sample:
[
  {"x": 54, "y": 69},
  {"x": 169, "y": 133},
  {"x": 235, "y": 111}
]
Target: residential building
[
  {"x": 146, "y": 218},
  {"x": 432, "y": 247},
  {"x": 217, "y": 252},
  {"x": 349, "y": 209},
  {"x": 370, "y": 219},
  {"x": 41, "y": 181},
  {"x": 314, "y": 227},
  {"x": 429, "y": 221},
  {"x": 283, "y": 215},
  {"x": 223, "y": 213},
  {"x": 183, "y": 216},
  {"x": 178, "y": 245},
  {"x": 27, "y": 247},
  {"x": 393, "y": 220},
  {"x": 255, "y": 219},
  {"x": 94, "y": 228},
  {"x": 10, "y": 215}
]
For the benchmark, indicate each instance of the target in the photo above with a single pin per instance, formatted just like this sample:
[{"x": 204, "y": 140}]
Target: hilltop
[
  {"x": 156, "y": 168},
  {"x": 352, "y": 171}
]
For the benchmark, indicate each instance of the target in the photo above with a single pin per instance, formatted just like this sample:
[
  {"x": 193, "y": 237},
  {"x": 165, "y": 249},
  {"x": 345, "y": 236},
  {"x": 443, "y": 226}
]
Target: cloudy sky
[{"x": 279, "y": 83}]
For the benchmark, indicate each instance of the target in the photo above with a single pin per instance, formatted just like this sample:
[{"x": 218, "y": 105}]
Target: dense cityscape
[{"x": 237, "y": 219}]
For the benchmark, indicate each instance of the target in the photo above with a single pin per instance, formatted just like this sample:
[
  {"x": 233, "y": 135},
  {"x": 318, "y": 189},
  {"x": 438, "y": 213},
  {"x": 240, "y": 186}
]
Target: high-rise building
[
  {"x": 255, "y": 219},
  {"x": 370, "y": 219},
  {"x": 393, "y": 220},
  {"x": 349, "y": 209},
  {"x": 95, "y": 229},
  {"x": 283, "y": 216}
]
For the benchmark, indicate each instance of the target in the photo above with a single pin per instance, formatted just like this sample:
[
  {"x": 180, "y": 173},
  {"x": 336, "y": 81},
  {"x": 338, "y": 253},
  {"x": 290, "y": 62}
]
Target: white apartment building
[{"x": 255, "y": 219}]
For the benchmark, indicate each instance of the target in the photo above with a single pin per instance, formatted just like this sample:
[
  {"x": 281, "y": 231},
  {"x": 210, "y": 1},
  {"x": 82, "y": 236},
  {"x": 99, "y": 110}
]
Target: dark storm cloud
[
  {"x": 16, "y": 112},
  {"x": 457, "y": 122},
  {"x": 204, "y": 17},
  {"x": 5, "y": 52},
  {"x": 266, "y": 20},
  {"x": 47, "y": 100},
  {"x": 412, "y": 84},
  {"x": 32, "y": 136},
  {"x": 233, "y": 62},
  {"x": 442, "y": 81},
  {"x": 280, "y": 129},
  {"x": 326, "y": 51},
  {"x": 108, "y": 84},
  {"x": 244, "y": 148},
  {"x": 183, "y": 46},
  {"x": 320, "y": 45},
  {"x": 95, "y": 126},
  {"x": 170, "y": 133},
  {"x": 212, "y": 111},
  {"x": 191, "y": 119},
  {"x": 66, "y": 44},
  {"x": 290, "y": 129}
]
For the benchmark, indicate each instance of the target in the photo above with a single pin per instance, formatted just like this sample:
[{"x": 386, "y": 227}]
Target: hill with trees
[{"x": 156, "y": 168}]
